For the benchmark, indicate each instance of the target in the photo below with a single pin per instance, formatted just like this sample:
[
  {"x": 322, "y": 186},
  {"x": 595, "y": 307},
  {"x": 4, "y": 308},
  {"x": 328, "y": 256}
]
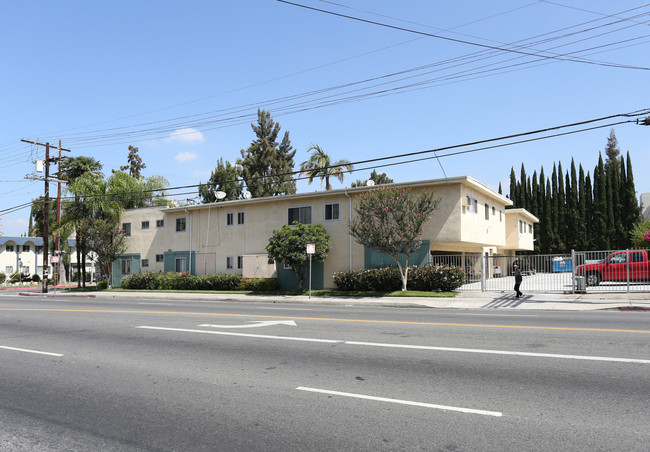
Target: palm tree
[
  {"x": 319, "y": 165},
  {"x": 72, "y": 169}
]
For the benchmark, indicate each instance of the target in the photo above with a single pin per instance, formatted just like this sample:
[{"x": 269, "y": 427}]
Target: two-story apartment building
[
  {"x": 25, "y": 254},
  {"x": 231, "y": 236}
]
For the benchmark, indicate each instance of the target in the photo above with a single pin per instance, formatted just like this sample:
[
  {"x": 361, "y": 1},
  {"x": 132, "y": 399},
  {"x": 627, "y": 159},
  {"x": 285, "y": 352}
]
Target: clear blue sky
[{"x": 101, "y": 76}]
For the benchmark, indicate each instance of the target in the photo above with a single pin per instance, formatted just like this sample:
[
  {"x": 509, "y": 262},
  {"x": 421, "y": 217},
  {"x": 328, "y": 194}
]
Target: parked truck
[{"x": 615, "y": 268}]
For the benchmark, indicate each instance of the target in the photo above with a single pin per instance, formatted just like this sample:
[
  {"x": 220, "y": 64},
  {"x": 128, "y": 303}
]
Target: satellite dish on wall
[
  {"x": 220, "y": 194},
  {"x": 247, "y": 195},
  {"x": 370, "y": 183}
]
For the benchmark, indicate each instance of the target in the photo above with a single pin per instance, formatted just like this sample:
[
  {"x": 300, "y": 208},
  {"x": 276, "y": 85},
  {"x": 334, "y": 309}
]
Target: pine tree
[
  {"x": 612, "y": 151},
  {"x": 224, "y": 178},
  {"x": 266, "y": 164}
]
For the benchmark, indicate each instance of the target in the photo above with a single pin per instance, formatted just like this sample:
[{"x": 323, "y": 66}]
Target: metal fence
[{"x": 583, "y": 272}]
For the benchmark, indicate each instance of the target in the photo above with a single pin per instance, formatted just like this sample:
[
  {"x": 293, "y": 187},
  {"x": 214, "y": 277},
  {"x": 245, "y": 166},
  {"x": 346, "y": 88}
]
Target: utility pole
[{"x": 46, "y": 205}]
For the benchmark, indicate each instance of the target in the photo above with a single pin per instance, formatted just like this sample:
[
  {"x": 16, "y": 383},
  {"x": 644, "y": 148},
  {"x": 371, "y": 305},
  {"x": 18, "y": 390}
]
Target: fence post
[
  {"x": 627, "y": 266},
  {"x": 573, "y": 271},
  {"x": 484, "y": 266}
]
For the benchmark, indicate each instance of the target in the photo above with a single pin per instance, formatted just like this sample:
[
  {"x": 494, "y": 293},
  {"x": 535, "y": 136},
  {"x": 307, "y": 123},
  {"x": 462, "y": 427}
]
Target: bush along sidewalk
[
  {"x": 185, "y": 281},
  {"x": 431, "y": 278}
]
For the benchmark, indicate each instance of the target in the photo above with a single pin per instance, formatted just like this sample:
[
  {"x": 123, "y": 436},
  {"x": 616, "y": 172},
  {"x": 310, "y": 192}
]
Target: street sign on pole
[{"x": 311, "y": 249}]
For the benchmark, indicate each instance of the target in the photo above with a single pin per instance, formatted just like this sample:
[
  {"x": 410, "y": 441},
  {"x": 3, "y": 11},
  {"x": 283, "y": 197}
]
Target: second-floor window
[
  {"x": 160, "y": 223},
  {"x": 332, "y": 212},
  {"x": 472, "y": 204},
  {"x": 299, "y": 214},
  {"x": 25, "y": 248},
  {"x": 126, "y": 229},
  {"x": 145, "y": 225},
  {"x": 240, "y": 217},
  {"x": 487, "y": 211},
  {"x": 180, "y": 224},
  {"x": 230, "y": 219},
  {"x": 10, "y": 248}
]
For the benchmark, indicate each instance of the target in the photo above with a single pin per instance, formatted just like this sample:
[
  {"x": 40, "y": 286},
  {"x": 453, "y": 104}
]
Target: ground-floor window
[
  {"x": 181, "y": 265},
  {"x": 126, "y": 266}
]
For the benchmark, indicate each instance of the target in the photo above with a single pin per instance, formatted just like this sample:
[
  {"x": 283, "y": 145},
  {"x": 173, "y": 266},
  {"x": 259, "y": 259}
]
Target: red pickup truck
[{"x": 615, "y": 268}]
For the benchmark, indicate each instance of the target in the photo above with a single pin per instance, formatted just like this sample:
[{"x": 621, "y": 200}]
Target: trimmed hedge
[
  {"x": 433, "y": 278},
  {"x": 180, "y": 281},
  {"x": 185, "y": 281}
]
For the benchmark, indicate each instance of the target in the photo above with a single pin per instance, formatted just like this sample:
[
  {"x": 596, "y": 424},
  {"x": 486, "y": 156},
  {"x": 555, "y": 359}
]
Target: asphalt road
[{"x": 90, "y": 375}]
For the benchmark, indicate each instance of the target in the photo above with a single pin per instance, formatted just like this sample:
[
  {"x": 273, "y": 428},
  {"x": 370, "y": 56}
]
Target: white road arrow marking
[{"x": 255, "y": 324}]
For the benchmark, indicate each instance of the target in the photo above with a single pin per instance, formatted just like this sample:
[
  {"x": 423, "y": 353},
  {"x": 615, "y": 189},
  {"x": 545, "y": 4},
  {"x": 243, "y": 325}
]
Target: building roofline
[
  {"x": 349, "y": 190},
  {"x": 524, "y": 213}
]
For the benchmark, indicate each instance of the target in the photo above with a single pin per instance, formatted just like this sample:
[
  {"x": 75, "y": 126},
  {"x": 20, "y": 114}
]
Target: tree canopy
[
  {"x": 320, "y": 165},
  {"x": 288, "y": 245},
  {"x": 266, "y": 164},
  {"x": 225, "y": 178},
  {"x": 391, "y": 220}
]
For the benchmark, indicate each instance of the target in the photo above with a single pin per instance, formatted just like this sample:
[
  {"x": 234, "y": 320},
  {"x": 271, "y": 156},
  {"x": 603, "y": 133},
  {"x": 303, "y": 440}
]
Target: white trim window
[
  {"x": 471, "y": 203},
  {"x": 332, "y": 212},
  {"x": 300, "y": 214},
  {"x": 181, "y": 224},
  {"x": 126, "y": 229}
]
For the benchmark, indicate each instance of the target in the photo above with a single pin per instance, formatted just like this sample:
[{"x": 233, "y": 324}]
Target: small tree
[
  {"x": 391, "y": 220},
  {"x": 289, "y": 245},
  {"x": 106, "y": 240}
]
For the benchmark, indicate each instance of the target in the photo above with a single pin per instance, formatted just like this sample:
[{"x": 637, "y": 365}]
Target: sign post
[{"x": 311, "y": 249}]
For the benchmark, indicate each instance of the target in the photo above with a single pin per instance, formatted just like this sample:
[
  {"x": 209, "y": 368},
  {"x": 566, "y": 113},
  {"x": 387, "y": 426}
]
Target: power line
[
  {"x": 638, "y": 114},
  {"x": 461, "y": 41}
]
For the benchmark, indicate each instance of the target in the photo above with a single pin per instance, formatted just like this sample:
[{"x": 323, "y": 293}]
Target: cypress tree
[
  {"x": 589, "y": 215},
  {"x": 522, "y": 192},
  {"x": 632, "y": 208},
  {"x": 534, "y": 209},
  {"x": 601, "y": 237},
  {"x": 544, "y": 215},
  {"x": 572, "y": 210},
  {"x": 561, "y": 207},
  {"x": 582, "y": 210},
  {"x": 513, "y": 187}
]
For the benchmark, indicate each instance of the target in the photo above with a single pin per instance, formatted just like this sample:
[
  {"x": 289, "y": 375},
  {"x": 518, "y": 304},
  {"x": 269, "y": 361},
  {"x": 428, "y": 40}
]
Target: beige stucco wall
[
  {"x": 452, "y": 228},
  {"x": 520, "y": 230}
]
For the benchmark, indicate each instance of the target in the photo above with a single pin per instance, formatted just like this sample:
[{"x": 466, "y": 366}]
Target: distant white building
[
  {"x": 25, "y": 254},
  {"x": 645, "y": 205}
]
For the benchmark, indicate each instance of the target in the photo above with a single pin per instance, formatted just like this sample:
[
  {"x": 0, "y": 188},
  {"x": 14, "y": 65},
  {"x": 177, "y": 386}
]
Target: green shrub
[
  {"x": 36, "y": 278},
  {"x": 261, "y": 285},
  {"x": 387, "y": 279},
  {"x": 180, "y": 281},
  {"x": 102, "y": 284},
  {"x": 15, "y": 277},
  {"x": 3, "y": 277},
  {"x": 435, "y": 278}
]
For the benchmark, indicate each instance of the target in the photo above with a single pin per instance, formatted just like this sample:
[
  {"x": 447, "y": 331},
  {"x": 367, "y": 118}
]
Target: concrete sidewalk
[{"x": 464, "y": 300}]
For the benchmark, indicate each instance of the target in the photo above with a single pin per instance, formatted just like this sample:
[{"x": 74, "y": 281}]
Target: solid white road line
[
  {"x": 402, "y": 402},
  {"x": 30, "y": 351},
  {"x": 259, "y": 336},
  {"x": 411, "y": 347}
]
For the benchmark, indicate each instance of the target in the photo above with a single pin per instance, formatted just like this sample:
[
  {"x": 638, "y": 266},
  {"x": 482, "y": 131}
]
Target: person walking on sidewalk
[{"x": 518, "y": 279}]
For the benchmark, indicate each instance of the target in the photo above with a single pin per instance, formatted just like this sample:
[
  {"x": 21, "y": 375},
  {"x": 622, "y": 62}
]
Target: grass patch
[{"x": 316, "y": 293}]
